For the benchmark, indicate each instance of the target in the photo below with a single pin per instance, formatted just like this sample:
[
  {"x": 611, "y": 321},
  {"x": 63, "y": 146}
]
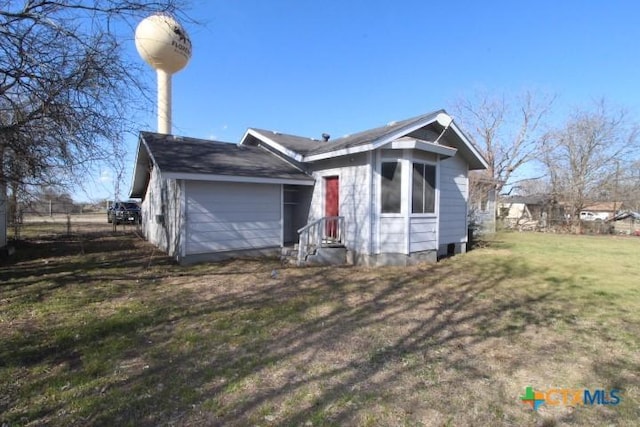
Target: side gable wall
[{"x": 454, "y": 194}]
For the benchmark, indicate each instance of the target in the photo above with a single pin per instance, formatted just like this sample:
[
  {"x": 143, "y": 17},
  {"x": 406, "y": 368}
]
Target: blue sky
[{"x": 308, "y": 67}]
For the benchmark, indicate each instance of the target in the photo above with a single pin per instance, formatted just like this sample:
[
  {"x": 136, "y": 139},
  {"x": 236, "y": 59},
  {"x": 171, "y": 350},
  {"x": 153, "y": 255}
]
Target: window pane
[
  {"x": 391, "y": 187},
  {"x": 430, "y": 189},
  {"x": 417, "y": 189},
  {"x": 423, "y": 186}
]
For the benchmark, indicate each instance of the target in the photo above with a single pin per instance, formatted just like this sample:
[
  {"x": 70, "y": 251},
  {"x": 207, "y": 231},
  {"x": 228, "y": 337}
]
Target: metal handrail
[{"x": 321, "y": 232}]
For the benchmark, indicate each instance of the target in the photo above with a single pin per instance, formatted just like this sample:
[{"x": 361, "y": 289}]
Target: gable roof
[
  {"x": 193, "y": 158},
  {"x": 535, "y": 199},
  {"x": 603, "y": 207},
  {"x": 296, "y": 144},
  {"x": 624, "y": 215},
  {"x": 308, "y": 150}
]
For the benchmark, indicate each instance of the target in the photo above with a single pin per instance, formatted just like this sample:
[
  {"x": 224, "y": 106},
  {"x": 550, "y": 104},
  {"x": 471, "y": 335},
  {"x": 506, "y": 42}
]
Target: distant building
[
  {"x": 600, "y": 211},
  {"x": 626, "y": 223},
  {"x": 531, "y": 212}
]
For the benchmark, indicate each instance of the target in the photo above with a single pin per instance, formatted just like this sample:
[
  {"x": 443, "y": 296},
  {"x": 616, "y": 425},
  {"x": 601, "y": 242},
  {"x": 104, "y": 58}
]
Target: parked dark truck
[{"x": 124, "y": 212}]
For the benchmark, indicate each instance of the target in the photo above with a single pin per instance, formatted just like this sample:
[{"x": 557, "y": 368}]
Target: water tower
[{"x": 164, "y": 44}]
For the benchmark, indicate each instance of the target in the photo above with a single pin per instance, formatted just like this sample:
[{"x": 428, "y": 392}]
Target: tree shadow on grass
[
  {"x": 225, "y": 344},
  {"x": 269, "y": 349},
  {"x": 46, "y": 265}
]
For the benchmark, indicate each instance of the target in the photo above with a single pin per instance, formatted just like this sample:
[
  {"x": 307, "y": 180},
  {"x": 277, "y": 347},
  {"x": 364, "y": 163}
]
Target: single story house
[
  {"x": 517, "y": 211},
  {"x": 396, "y": 194},
  {"x": 601, "y": 211},
  {"x": 531, "y": 212}
]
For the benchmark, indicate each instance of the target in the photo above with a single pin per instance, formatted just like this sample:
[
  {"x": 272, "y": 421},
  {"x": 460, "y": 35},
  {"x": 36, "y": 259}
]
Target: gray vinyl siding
[
  {"x": 229, "y": 216},
  {"x": 355, "y": 200},
  {"x": 392, "y": 235},
  {"x": 453, "y": 201},
  {"x": 422, "y": 234},
  {"x": 161, "y": 213}
]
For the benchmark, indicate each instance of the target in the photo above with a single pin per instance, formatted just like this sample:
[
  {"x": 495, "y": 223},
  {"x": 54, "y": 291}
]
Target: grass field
[{"x": 101, "y": 329}]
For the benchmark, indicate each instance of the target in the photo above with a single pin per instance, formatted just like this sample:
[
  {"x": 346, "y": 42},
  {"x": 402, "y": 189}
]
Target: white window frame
[
  {"x": 436, "y": 201},
  {"x": 403, "y": 200}
]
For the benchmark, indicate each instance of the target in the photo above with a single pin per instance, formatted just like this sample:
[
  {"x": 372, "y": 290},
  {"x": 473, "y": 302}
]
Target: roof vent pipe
[{"x": 325, "y": 137}]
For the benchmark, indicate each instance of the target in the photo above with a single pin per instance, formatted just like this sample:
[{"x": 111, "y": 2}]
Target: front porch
[{"x": 320, "y": 242}]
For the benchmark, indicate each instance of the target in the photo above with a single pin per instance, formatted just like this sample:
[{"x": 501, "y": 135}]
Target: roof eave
[
  {"x": 479, "y": 161},
  {"x": 376, "y": 143},
  {"x": 416, "y": 144},
  {"x": 139, "y": 182}
]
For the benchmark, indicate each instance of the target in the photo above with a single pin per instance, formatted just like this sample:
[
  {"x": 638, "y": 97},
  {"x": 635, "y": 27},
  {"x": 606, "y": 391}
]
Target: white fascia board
[
  {"x": 244, "y": 137},
  {"x": 235, "y": 178},
  {"x": 142, "y": 145},
  {"x": 468, "y": 143},
  {"x": 342, "y": 152},
  {"x": 414, "y": 144},
  {"x": 292, "y": 154},
  {"x": 135, "y": 169}
]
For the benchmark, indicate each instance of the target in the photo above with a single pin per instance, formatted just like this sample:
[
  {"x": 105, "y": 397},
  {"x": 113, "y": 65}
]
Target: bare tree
[
  {"x": 583, "y": 157},
  {"x": 627, "y": 185},
  {"x": 535, "y": 187},
  {"x": 508, "y": 133},
  {"x": 66, "y": 87}
]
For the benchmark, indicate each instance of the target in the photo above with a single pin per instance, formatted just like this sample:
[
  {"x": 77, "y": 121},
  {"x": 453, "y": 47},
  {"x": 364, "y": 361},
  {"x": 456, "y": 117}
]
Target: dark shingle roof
[
  {"x": 299, "y": 144},
  {"x": 371, "y": 135},
  {"x": 308, "y": 146},
  {"x": 528, "y": 200},
  {"x": 625, "y": 215},
  {"x": 200, "y": 156}
]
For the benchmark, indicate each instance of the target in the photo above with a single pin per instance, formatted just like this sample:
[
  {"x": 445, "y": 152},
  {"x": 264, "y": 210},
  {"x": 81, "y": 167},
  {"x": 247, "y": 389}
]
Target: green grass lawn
[{"x": 101, "y": 329}]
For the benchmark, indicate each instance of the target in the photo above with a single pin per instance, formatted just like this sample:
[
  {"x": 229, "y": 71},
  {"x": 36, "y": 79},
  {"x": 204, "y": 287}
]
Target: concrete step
[
  {"x": 287, "y": 252},
  {"x": 334, "y": 255},
  {"x": 289, "y": 255}
]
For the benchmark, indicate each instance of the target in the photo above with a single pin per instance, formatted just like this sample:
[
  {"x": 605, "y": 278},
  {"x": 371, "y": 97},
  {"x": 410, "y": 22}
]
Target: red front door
[{"x": 331, "y": 204}]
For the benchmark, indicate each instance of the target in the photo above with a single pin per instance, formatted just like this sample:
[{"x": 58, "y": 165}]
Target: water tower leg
[{"x": 164, "y": 102}]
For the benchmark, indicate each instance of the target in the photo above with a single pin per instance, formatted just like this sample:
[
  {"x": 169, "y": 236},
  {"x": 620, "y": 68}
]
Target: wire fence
[
  {"x": 34, "y": 226},
  {"x": 562, "y": 225}
]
